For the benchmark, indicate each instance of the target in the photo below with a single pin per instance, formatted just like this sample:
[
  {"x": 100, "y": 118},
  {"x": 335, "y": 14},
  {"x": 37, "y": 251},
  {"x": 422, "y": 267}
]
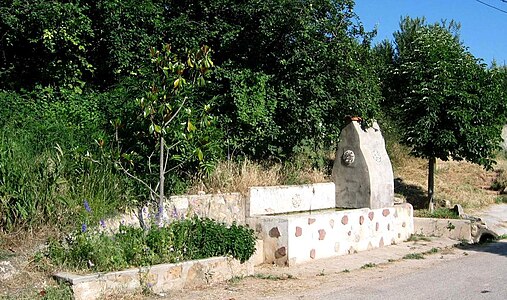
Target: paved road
[
  {"x": 495, "y": 217},
  {"x": 480, "y": 273}
]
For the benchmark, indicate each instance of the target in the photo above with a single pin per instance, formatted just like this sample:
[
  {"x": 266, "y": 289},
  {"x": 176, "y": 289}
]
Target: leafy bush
[{"x": 181, "y": 240}]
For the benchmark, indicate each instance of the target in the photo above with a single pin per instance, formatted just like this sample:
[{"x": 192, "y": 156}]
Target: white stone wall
[{"x": 298, "y": 238}]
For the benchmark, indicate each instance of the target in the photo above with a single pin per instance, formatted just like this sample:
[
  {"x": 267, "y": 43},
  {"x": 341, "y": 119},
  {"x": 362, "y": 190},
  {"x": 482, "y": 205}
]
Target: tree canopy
[
  {"x": 287, "y": 71},
  {"x": 444, "y": 99}
]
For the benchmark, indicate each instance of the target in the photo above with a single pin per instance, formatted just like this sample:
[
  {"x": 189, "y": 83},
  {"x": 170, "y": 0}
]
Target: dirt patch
[{"x": 27, "y": 281}]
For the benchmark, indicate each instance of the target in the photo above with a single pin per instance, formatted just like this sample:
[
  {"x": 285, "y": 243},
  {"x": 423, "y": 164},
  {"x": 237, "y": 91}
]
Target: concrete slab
[
  {"x": 357, "y": 260},
  {"x": 456, "y": 229}
]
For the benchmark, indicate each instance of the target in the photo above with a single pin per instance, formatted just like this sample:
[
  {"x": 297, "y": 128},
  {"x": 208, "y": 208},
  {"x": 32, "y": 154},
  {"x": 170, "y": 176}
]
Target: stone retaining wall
[{"x": 159, "y": 278}]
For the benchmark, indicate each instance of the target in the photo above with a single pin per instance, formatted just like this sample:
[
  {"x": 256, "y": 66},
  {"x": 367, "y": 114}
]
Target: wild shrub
[{"x": 181, "y": 240}]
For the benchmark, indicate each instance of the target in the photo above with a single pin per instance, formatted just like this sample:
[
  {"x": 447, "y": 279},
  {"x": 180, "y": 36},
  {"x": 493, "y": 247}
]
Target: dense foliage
[
  {"x": 447, "y": 104},
  {"x": 181, "y": 240},
  {"x": 286, "y": 74}
]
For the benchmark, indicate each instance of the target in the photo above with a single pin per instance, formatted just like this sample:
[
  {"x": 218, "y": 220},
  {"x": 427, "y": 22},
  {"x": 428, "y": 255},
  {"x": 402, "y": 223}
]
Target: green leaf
[
  {"x": 158, "y": 129},
  {"x": 190, "y": 126},
  {"x": 199, "y": 153}
]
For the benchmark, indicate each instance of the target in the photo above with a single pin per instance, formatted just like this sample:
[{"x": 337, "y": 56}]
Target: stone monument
[{"x": 362, "y": 171}]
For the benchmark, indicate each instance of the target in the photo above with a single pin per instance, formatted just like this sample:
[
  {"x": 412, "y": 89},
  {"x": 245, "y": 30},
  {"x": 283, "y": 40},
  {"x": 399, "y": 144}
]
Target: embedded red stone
[
  {"x": 299, "y": 231},
  {"x": 371, "y": 215},
  {"x": 381, "y": 243},
  {"x": 312, "y": 254},
  {"x": 386, "y": 212},
  {"x": 281, "y": 252},
  {"x": 345, "y": 220},
  {"x": 322, "y": 234},
  {"x": 311, "y": 221},
  {"x": 274, "y": 232},
  {"x": 377, "y": 225},
  {"x": 331, "y": 223},
  {"x": 361, "y": 220}
]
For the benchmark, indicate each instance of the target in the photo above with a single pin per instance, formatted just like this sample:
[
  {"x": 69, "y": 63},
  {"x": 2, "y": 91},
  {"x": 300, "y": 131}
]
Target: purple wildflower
[
  {"x": 83, "y": 228},
  {"x": 175, "y": 213},
  {"x": 103, "y": 223},
  {"x": 87, "y": 206}
]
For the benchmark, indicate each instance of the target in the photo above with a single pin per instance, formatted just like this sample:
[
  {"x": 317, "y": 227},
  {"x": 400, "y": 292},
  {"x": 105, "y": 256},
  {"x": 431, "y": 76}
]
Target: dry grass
[
  {"x": 457, "y": 182},
  {"x": 21, "y": 247},
  {"x": 232, "y": 176}
]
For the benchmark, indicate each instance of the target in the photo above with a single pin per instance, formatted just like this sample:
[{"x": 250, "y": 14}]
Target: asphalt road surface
[{"x": 480, "y": 273}]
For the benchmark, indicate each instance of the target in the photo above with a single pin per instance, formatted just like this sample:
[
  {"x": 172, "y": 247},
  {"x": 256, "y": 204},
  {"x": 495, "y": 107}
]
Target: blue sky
[{"x": 483, "y": 29}]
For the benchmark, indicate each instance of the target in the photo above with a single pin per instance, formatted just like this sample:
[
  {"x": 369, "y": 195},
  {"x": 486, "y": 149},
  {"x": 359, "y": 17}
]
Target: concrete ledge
[
  {"x": 159, "y": 278},
  {"x": 270, "y": 200},
  {"x": 456, "y": 229}
]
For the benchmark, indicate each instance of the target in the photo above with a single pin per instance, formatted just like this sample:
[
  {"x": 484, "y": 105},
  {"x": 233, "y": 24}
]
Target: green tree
[
  {"x": 446, "y": 103},
  {"x": 44, "y": 43},
  {"x": 290, "y": 71},
  {"x": 172, "y": 124}
]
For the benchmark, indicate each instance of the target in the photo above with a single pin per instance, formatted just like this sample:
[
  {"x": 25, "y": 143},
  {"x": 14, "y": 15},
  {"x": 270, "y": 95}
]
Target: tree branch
[
  {"x": 138, "y": 179},
  {"x": 177, "y": 166},
  {"x": 176, "y": 113}
]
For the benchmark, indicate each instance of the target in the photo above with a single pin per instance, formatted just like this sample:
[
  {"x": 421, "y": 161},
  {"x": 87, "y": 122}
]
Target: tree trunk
[
  {"x": 431, "y": 183},
  {"x": 161, "y": 183}
]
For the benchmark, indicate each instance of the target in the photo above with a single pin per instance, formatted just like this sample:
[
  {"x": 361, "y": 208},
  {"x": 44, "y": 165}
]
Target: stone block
[
  {"x": 455, "y": 229},
  {"x": 270, "y": 200},
  {"x": 362, "y": 170}
]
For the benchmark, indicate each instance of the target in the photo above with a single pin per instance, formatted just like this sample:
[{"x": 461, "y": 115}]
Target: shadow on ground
[
  {"x": 414, "y": 194},
  {"x": 488, "y": 246}
]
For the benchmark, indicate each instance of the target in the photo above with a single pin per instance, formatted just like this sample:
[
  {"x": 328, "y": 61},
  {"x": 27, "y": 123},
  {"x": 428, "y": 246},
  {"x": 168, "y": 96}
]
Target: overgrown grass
[
  {"x": 502, "y": 237},
  {"x": 439, "y": 213},
  {"x": 181, "y": 240},
  {"x": 50, "y": 186},
  {"x": 273, "y": 277},
  {"x": 414, "y": 256},
  {"x": 432, "y": 251},
  {"x": 368, "y": 266},
  {"x": 418, "y": 237},
  {"x": 60, "y": 292}
]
